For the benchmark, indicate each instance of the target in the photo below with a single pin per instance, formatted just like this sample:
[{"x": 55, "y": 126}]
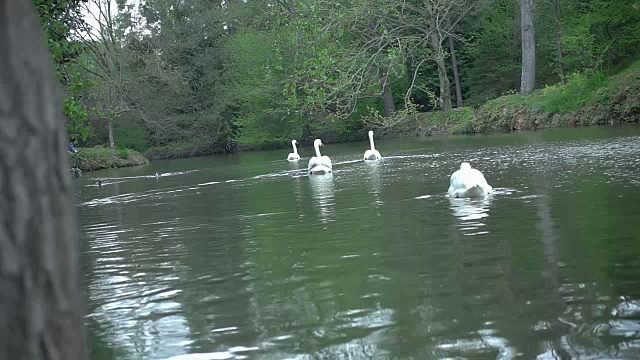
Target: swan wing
[
  {"x": 468, "y": 183},
  {"x": 326, "y": 161},
  {"x": 293, "y": 156},
  {"x": 314, "y": 161}
]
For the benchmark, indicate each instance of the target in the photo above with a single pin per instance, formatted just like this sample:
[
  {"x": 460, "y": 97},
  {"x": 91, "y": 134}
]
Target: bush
[
  {"x": 97, "y": 158},
  {"x": 123, "y": 153}
]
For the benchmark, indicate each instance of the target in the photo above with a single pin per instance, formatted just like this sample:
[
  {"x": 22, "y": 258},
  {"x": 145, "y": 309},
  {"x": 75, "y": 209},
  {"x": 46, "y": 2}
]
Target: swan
[
  {"x": 294, "y": 156},
  {"x": 372, "y": 154},
  {"x": 319, "y": 164},
  {"x": 468, "y": 183}
]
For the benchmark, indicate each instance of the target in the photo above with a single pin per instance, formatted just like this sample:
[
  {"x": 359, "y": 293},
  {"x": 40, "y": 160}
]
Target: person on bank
[{"x": 72, "y": 147}]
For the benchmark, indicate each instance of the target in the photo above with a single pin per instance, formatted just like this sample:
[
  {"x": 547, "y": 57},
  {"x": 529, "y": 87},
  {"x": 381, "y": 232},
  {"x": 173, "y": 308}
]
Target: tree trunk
[
  {"x": 456, "y": 75},
  {"x": 528, "y": 79},
  {"x": 556, "y": 11},
  {"x": 445, "y": 86},
  {"x": 387, "y": 96},
  {"x": 112, "y": 144},
  {"x": 41, "y": 311}
]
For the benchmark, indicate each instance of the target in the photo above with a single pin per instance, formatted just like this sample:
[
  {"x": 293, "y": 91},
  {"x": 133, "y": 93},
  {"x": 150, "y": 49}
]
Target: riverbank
[
  {"x": 584, "y": 101},
  {"x": 97, "y": 158}
]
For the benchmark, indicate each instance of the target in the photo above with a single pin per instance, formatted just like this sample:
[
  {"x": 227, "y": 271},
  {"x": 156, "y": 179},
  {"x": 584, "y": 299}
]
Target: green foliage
[
  {"x": 255, "y": 80},
  {"x": 580, "y": 90},
  {"x": 196, "y": 77},
  {"x": 59, "y": 20},
  {"x": 601, "y": 35},
  {"x": 97, "y": 158},
  {"x": 130, "y": 134},
  {"x": 77, "y": 118},
  {"x": 123, "y": 153}
]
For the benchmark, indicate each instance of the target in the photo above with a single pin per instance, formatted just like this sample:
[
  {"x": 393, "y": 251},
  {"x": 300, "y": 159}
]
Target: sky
[{"x": 91, "y": 11}]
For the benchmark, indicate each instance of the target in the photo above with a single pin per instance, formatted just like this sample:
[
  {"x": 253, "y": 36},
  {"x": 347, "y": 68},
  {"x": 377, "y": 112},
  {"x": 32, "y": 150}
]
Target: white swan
[
  {"x": 468, "y": 183},
  {"x": 319, "y": 164},
  {"x": 294, "y": 156},
  {"x": 372, "y": 154}
]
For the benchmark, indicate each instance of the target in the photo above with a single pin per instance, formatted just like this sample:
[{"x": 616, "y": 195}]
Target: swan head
[
  {"x": 465, "y": 166},
  {"x": 370, "y": 133},
  {"x": 317, "y": 142},
  {"x": 294, "y": 142}
]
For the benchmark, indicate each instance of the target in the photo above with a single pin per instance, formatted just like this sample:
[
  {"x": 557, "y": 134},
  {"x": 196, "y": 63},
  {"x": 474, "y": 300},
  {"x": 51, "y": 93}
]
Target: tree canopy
[{"x": 210, "y": 74}]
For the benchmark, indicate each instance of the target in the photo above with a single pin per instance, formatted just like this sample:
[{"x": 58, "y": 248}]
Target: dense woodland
[{"x": 203, "y": 76}]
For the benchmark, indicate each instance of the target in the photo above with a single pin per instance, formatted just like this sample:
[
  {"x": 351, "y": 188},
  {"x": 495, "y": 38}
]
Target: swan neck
[
  {"x": 373, "y": 147},
  {"x": 295, "y": 148},
  {"x": 317, "y": 147}
]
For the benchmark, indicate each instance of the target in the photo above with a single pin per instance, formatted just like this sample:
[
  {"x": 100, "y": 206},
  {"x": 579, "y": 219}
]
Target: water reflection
[
  {"x": 150, "y": 311},
  {"x": 322, "y": 194},
  {"x": 486, "y": 343},
  {"x": 374, "y": 180},
  {"x": 298, "y": 165},
  {"x": 471, "y": 213}
]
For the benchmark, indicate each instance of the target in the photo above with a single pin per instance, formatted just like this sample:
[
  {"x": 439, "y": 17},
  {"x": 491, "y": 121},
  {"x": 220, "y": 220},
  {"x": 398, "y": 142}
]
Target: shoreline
[
  {"x": 140, "y": 160},
  {"x": 99, "y": 158},
  {"x": 584, "y": 101}
]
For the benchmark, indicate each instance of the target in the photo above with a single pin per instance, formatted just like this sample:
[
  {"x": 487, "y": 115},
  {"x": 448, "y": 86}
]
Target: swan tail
[
  {"x": 319, "y": 170},
  {"x": 475, "y": 191},
  {"x": 372, "y": 155}
]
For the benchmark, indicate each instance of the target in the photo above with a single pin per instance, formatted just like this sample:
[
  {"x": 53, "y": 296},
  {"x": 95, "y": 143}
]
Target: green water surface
[{"x": 247, "y": 257}]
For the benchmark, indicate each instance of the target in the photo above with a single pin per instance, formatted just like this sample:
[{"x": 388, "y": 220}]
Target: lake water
[{"x": 247, "y": 257}]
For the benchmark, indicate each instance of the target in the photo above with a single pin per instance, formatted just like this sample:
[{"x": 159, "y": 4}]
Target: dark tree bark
[
  {"x": 528, "y": 79},
  {"x": 445, "y": 85},
  {"x": 41, "y": 310},
  {"x": 456, "y": 75},
  {"x": 387, "y": 96},
  {"x": 556, "y": 11}
]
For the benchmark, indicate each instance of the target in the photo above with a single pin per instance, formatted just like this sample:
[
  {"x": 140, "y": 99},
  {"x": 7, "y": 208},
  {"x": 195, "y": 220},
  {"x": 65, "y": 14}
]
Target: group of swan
[{"x": 464, "y": 183}]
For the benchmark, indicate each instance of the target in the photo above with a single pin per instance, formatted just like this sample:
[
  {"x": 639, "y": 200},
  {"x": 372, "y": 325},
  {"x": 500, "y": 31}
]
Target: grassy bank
[
  {"x": 96, "y": 158},
  {"x": 584, "y": 101}
]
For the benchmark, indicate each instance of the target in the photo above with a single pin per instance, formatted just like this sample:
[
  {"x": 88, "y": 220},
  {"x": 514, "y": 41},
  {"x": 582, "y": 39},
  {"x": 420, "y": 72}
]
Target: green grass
[
  {"x": 585, "y": 100},
  {"x": 123, "y": 153},
  {"x": 96, "y": 158},
  {"x": 581, "y": 90}
]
